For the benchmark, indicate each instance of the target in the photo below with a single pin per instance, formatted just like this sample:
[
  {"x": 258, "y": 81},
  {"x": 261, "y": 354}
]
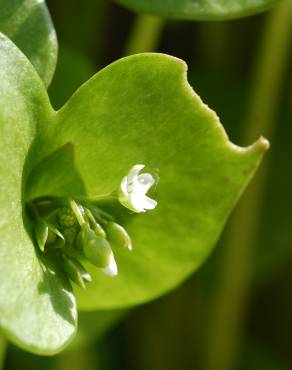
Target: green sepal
[
  {"x": 41, "y": 232},
  {"x": 75, "y": 271},
  {"x": 55, "y": 237}
]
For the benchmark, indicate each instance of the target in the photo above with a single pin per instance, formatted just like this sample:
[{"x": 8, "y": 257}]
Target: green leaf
[
  {"x": 28, "y": 24},
  {"x": 138, "y": 110},
  {"x": 200, "y": 9},
  {"x": 272, "y": 250},
  {"x": 60, "y": 166},
  {"x": 37, "y": 307},
  {"x": 142, "y": 110}
]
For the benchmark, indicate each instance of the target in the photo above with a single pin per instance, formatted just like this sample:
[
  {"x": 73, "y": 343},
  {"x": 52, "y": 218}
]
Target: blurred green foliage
[{"x": 200, "y": 9}]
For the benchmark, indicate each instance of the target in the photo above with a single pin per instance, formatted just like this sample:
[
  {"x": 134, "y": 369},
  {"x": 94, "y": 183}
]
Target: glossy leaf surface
[
  {"x": 28, "y": 24},
  {"x": 200, "y": 9}
]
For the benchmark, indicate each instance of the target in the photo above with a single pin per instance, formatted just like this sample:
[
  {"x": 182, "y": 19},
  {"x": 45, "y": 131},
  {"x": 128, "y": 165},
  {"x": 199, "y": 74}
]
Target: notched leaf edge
[{"x": 261, "y": 145}]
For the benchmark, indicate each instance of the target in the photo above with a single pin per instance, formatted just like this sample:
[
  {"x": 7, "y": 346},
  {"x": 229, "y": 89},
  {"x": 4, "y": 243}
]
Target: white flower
[
  {"x": 133, "y": 189},
  {"x": 112, "y": 268}
]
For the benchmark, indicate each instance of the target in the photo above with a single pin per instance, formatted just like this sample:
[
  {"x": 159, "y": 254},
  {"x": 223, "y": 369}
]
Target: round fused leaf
[
  {"x": 138, "y": 110},
  {"x": 141, "y": 109},
  {"x": 37, "y": 306},
  {"x": 200, "y": 9},
  {"x": 28, "y": 24}
]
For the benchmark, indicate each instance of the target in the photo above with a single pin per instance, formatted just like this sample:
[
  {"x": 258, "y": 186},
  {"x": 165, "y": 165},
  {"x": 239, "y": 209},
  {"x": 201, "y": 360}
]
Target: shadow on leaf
[{"x": 59, "y": 290}]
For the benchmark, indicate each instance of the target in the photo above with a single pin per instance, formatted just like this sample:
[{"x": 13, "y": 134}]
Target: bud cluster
[
  {"x": 83, "y": 231},
  {"x": 81, "y": 228}
]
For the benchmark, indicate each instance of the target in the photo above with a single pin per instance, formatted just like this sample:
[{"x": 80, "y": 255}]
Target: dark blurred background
[{"x": 235, "y": 313}]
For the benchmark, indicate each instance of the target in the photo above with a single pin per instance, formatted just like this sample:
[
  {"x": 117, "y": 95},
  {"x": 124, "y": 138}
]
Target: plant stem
[
  {"x": 215, "y": 46},
  {"x": 269, "y": 73},
  {"x": 77, "y": 213},
  {"x": 92, "y": 15},
  {"x": 145, "y": 34},
  {"x": 3, "y": 347},
  {"x": 231, "y": 298}
]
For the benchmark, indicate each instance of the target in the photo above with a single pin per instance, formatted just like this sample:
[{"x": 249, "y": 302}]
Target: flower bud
[
  {"x": 111, "y": 269},
  {"x": 75, "y": 271},
  {"x": 118, "y": 236},
  {"x": 55, "y": 237},
  {"x": 66, "y": 217},
  {"x": 84, "y": 234},
  {"x": 96, "y": 249}
]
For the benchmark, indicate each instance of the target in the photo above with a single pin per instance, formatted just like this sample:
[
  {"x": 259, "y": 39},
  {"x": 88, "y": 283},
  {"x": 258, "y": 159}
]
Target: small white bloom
[
  {"x": 133, "y": 189},
  {"x": 112, "y": 268}
]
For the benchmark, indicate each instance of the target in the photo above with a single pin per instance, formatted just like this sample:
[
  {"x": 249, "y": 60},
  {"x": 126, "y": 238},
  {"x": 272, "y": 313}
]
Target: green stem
[
  {"x": 145, "y": 34},
  {"x": 98, "y": 198},
  {"x": 232, "y": 294},
  {"x": 78, "y": 214},
  {"x": 99, "y": 214},
  {"x": 3, "y": 347},
  {"x": 269, "y": 73},
  {"x": 214, "y": 45}
]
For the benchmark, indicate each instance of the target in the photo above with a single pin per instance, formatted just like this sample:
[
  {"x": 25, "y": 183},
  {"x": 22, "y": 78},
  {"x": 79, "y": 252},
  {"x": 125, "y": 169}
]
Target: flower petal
[
  {"x": 141, "y": 202},
  {"x": 112, "y": 268},
  {"x": 137, "y": 202},
  {"x": 146, "y": 179},
  {"x": 123, "y": 186},
  {"x": 149, "y": 203},
  {"x": 133, "y": 173}
]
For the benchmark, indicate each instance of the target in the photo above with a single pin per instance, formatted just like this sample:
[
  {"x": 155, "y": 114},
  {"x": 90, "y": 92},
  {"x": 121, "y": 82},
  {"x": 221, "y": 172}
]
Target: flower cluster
[{"x": 79, "y": 229}]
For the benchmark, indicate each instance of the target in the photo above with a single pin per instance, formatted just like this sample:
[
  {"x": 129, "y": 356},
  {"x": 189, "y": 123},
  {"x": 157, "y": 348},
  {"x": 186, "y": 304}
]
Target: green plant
[{"x": 138, "y": 110}]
